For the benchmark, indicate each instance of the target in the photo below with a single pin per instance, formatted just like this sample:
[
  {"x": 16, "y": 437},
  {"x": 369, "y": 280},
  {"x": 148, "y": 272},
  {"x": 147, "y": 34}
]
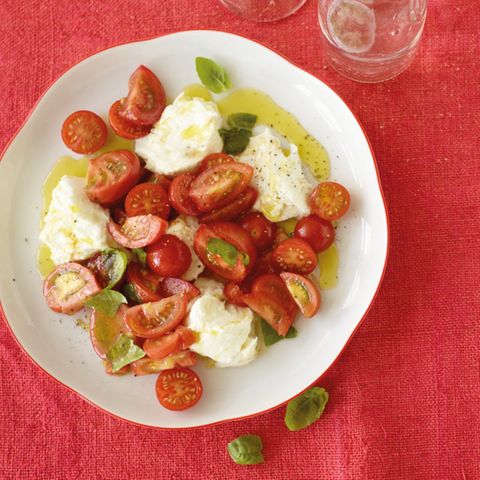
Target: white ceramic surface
[{"x": 63, "y": 350}]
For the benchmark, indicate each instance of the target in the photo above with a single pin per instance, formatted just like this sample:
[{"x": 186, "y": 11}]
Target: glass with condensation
[
  {"x": 263, "y": 10},
  {"x": 371, "y": 40}
]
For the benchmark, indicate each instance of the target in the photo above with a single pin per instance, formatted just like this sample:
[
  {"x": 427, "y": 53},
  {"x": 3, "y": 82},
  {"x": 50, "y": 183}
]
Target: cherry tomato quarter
[
  {"x": 304, "y": 292},
  {"x": 124, "y": 128}
]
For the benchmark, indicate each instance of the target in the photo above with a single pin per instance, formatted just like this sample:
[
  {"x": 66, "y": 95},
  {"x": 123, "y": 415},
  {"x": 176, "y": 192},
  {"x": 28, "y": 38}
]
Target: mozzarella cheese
[
  {"x": 226, "y": 333},
  {"x": 74, "y": 227},
  {"x": 184, "y": 135},
  {"x": 282, "y": 187},
  {"x": 184, "y": 228}
]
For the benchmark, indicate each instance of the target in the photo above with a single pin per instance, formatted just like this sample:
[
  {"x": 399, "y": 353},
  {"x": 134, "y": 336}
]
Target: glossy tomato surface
[
  {"x": 139, "y": 231},
  {"x": 124, "y": 128},
  {"x": 294, "y": 255},
  {"x": 239, "y": 205},
  {"x": 318, "y": 233},
  {"x": 304, "y": 292},
  {"x": 169, "y": 256},
  {"x": 179, "y": 194},
  {"x": 260, "y": 229}
]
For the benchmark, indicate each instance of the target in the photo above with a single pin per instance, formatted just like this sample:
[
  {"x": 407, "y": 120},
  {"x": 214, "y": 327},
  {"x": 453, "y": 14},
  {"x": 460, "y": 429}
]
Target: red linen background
[{"x": 405, "y": 395}]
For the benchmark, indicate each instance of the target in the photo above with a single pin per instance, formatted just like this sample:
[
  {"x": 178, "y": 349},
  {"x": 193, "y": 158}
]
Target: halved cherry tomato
[
  {"x": 218, "y": 186},
  {"x": 169, "y": 257},
  {"x": 233, "y": 293},
  {"x": 272, "y": 286},
  {"x": 240, "y": 205},
  {"x": 147, "y": 198},
  {"x": 160, "y": 179},
  {"x": 213, "y": 160},
  {"x": 170, "y": 286},
  {"x": 68, "y": 287},
  {"x": 139, "y": 231},
  {"x": 144, "y": 283},
  {"x": 118, "y": 214},
  {"x": 84, "y": 132},
  {"x": 329, "y": 200},
  {"x": 318, "y": 233},
  {"x": 111, "y": 175},
  {"x": 153, "y": 319},
  {"x": 237, "y": 241},
  {"x": 146, "y": 366},
  {"x": 160, "y": 347},
  {"x": 124, "y": 128},
  {"x": 178, "y": 194},
  {"x": 260, "y": 229},
  {"x": 146, "y": 98},
  {"x": 304, "y": 292},
  {"x": 294, "y": 255},
  {"x": 178, "y": 389}
]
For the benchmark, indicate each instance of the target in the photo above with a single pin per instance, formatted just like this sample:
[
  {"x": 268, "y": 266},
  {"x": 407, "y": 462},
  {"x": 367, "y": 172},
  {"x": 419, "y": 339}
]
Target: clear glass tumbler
[
  {"x": 371, "y": 40},
  {"x": 264, "y": 10}
]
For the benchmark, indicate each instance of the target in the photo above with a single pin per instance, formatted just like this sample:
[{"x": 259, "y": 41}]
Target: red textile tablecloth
[{"x": 405, "y": 395}]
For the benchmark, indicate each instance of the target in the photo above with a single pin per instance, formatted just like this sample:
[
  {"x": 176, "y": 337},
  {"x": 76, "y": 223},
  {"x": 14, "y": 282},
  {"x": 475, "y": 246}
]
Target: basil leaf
[
  {"x": 107, "y": 302},
  {"x": 115, "y": 263},
  {"x": 270, "y": 336},
  {"x": 235, "y": 141},
  {"x": 226, "y": 250},
  {"x": 306, "y": 409},
  {"x": 242, "y": 121},
  {"x": 212, "y": 75},
  {"x": 130, "y": 292},
  {"x": 123, "y": 352},
  {"x": 141, "y": 255},
  {"x": 246, "y": 450}
]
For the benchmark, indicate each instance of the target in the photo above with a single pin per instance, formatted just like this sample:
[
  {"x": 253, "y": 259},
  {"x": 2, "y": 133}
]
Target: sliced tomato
[
  {"x": 234, "y": 293},
  {"x": 260, "y": 228},
  {"x": 118, "y": 214},
  {"x": 329, "y": 200},
  {"x": 153, "y": 319},
  {"x": 240, "y": 205},
  {"x": 318, "y": 233},
  {"x": 213, "y": 160},
  {"x": 160, "y": 347},
  {"x": 178, "y": 389},
  {"x": 171, "y": 286},
  {"x": 139, "y": 231},
  {"x": 111, "y": 175},
  {"x": 272, "y": 286},
  {"x": 146, "y": 98},
  {"x": 169, "y": 257},
  {"x": 124, "y": 128},
  {"x": 294, "y": 255},
  {"x": 237, "y": 242},
  {"x": 219, "y": 185},
  {"x": 146, "y": 366},
  {"x": 84, "y": 132},
  {"x": 188, "y": 337},
  {"x": 160, "y": 179},
  {"x": 178, "y": 194},
  {"x": 304, "y": 292},
  {"x": 147, "y": 198},
  {"x": 68, "y": 287},
  {"x": 144, "y": 283}
]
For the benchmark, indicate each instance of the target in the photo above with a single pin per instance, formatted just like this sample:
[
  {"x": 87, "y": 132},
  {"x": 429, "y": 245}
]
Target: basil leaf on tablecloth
[
  {"x": 306, "y": 408},
  {"x": 246, "y": 450},
  {"x": 107, "y": 302},
  {"x": 212, "y": 75}
]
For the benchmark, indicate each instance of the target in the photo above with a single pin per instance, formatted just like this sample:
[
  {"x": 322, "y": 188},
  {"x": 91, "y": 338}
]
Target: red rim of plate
[{"x": 219, "y": 422}]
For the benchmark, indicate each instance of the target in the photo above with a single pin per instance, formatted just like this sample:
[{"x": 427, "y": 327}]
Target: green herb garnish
[
  {"x": 123, "y": 352},
  {"x": 236, "y": 138},
  {"x": 129, "y": 291},
  {"x": 306, "y": 409},
  {"x": 270, "y": 336},
  {"x": 107, "y": 302},
  {"x": 212, "y": 75},
  {"x": 242, "y": 121},
  {"x": 246, "y": 450},
  {"x": 226, "y": 250}
]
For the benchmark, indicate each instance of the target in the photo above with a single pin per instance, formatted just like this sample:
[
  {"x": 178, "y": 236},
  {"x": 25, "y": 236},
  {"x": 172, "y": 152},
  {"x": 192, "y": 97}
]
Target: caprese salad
[{"x": 175, "y": 247}]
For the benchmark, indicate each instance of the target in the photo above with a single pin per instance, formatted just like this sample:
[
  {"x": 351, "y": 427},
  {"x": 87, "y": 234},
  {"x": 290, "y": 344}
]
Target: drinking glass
[
  {"x": 371, "y": 40},
  {"x": 264, "y": 10}
]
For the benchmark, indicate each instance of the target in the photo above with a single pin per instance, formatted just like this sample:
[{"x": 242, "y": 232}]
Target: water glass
[
  {"x": 371, "y": 40},
  {"x": 263, "y": 10}
]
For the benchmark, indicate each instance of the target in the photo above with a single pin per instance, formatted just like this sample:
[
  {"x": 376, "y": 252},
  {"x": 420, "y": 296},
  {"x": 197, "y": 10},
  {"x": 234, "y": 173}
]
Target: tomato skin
[
  {"x": 188, "y": 337},
  {"x": 234, "y": 294},
  {"x": 68, "y": 287},
  {"x": 160, "y": 347},
  {"x": 160, "y": 179},
  {"x": 150, "y": 320},
  {"x": 272, "y": 286},
  {"x": 146, "y": 98},
  {"x": 179, "y": 194},
  {"x": 139, "y": 231},
  {"x": 318, "y": 233},
  {"x": 84, "y": 132},
  {"x": 294, "y": 255},
  {"x": 304, "y": 293},
  {"x": 178, "y": 389},
  {"x": 260, "y": 229},
  {"x": 169, "y": 257},
  {"x": 329, "y": 200},
  {"x": 240, "y": 205},
  {"x": 219, "y": 185},
  {"x": 124, "y": 128},
  {"x": 171, "y": 286},
  {"x": 144, "y": 282},
  {"x": 146, "y": 366},
  {"x": 111, "y": 175},
  {"x": 147, "y": 198},
  {"x": 215, "y": 159}
]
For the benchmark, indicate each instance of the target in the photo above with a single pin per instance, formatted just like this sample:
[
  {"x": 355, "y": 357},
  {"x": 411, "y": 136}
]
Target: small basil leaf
[
  {"x": 107, "y": 302},
  {"x": 141, "y": 255},
  {"x": 270, "y": 336},
  {"x": 246, "y": 450},
  {"x": 123, "y": 352},
  {"x": 130, "y": 292},
  {"x": 212, "y": 75},
  {"x": 226, "y": 250},
  {"x": 235, "y": 141},
  {"x": 306, "y": 409},
  {"x": 242, "y": 121}
]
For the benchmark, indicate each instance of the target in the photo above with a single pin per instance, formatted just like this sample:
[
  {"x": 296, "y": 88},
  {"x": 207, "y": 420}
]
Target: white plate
[{"x": 63, "y": 350}]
